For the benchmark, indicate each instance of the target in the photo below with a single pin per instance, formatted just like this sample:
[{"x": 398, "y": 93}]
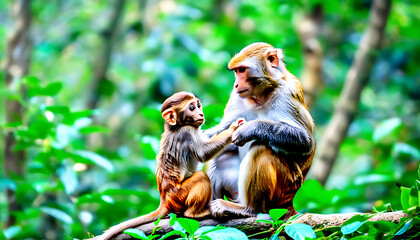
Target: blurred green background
[{"x": 87, "y": 131}]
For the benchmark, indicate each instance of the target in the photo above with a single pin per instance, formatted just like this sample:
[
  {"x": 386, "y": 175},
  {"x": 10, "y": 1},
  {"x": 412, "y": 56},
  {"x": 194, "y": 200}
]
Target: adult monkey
[{"x": 279, "y": 129}]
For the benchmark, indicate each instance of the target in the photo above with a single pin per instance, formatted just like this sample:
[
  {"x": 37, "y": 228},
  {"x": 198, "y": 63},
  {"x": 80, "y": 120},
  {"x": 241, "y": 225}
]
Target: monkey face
[
  {"x": 253, "y": 83},
  {"x": 183, "y": 108},
  {"x": 193, "y": 113},
  {"x": 241, "y": 85},
  {"x": 254, "y": 73}
]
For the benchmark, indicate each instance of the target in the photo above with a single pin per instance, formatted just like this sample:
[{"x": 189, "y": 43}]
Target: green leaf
[
  {"x": 151, "y": 113},
  {"x": 385, "y": 129},
  {"x": 31, "y": 81},
  {"x": 226, "y": 234},
  {"x": 12, "y": 231},
  {"x": 69, "y": 178},
  {"x": 406, "y": 149},
  {"x": 373, "y": 178},
  {"x": 7, "y": 184},
  {"x": 380, "y": 226},
  {"x": 409, "y": 198},
  {"x": 135, "y": 233},
  {"x": 82, "y": 114},
  {"x": 39, "y": 127},
  {"x": 300, "y": 231},
  {"x": 157, "y": 221},
  {"x": 375, "y": 229},
  {"x": 150, "y": 146},
  {"x": 50, "y": 90},
  {"x": 63, "y": 110},
  {"x": 275, "y": 236},
  {"x": 58, "y": 214},
  {"x": 106, "y": 87},
  {"x": 172, "y": 233},
  {"x": 205, "y": 238},
  {"x": 23, "y": 144},
  {"x": 206, "y": 229},
  {"x": 3, "y": 236},
  {"x": 383, "y": 208},
  {"x": 13, "y": 124},
  {"x": 96, "y": 159},
  {"x": 312, "y": 195},
  {"x": 53, "y": 88},
  {"x": 173, "y": 218},
  {"x": 190, "y": 225},
  {"x": 276, "y": 214},
  {"x": 418, "y": 172},
  {"x": 361, "y": 237},
  {"x": 404, "y": 228},
  {"x": 175, "y": 224},
  {"x": 64, "y": 135},
  {"x": 418, "y": 192},
  {"x": 93, "y": 129},
  {"x": 353, "y": 224}
]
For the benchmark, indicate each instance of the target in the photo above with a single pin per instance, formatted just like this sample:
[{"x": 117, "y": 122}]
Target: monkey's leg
[
  {"x": 223, "y": 173},
  {"x": 289, "y": 180},
  {"x": 258, "y": 178},
  {"x": 272, "y": 181},
  {"x": 197, "y": 201}
]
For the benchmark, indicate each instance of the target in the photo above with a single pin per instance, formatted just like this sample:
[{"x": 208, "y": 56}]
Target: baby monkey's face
[{"x": 193, "y": 113}]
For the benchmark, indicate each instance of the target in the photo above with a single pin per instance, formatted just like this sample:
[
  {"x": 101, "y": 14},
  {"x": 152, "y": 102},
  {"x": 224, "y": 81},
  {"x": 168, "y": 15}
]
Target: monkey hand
[
  {"x": 243, "y": 134},
  {"x": 239, "y": 122}
]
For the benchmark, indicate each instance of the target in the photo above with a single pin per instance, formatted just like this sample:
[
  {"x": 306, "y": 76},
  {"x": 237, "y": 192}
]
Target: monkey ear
[
  {"x": 170, "y": 116},
  {"x": 274, "y": 56}
]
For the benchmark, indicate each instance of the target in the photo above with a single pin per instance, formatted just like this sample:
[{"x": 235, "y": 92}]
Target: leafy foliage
[
  {"x": 87, "y": 169},
  {"x": 189, "y": 229}
]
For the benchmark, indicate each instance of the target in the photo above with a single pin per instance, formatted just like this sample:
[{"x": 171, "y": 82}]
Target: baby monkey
[{"x": 183, "y": 189}]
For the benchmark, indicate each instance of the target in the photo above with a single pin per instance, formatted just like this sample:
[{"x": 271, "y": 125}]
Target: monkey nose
[
  {"x": 236, "y": 85},
  {"x": 201, "y": 115}
]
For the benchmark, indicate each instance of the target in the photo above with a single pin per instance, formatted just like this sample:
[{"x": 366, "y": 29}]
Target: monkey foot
[
  {"x": 217, "y": 209},
  {"x": 221, "y": 209}
]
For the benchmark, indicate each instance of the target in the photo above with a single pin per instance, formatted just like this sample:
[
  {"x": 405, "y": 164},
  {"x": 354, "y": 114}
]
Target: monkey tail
[{"x": 153, "y": 216}]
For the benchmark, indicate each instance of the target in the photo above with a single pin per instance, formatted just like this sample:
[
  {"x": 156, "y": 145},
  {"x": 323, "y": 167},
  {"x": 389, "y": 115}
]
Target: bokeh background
[{"x": 84, "y": 81}]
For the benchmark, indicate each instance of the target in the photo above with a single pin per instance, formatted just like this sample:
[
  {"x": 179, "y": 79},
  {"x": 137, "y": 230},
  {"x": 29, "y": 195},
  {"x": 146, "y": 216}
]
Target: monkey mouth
[
  {"x": 242, "y": 91},
  {"x": 200, "y": 120}
]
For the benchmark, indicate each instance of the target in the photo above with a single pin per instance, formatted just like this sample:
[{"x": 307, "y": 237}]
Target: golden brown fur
[
  {"x": 183, "y": 189},
  {"x": 279, "y": 129}
]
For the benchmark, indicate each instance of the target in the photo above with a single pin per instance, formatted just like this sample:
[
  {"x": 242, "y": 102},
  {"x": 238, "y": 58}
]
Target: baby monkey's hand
[{"x": 237, "y": 123}]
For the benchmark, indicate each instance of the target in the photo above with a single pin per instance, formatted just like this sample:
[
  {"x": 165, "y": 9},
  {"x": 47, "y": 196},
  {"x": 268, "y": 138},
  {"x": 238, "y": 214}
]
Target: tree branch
[
  {"x": 249, "y": 226},
  {"x": 356, "y": 79},
  {"x": 103, "y": 59}
]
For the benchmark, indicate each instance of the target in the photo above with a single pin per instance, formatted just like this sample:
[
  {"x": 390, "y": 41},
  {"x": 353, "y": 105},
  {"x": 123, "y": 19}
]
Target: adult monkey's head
[{"x": 258, "y": 68}]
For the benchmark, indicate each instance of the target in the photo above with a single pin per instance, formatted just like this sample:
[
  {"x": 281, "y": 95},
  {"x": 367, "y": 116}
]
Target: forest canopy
[{"x": 84, "y": 82}]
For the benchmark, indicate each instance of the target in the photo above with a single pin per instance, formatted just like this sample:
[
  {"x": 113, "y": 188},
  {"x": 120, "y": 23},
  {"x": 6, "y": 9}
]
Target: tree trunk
[
  {"x": 308, "y": 29},
  {"x": 356, "y": 79},
  {"x": 16, "y": 66},
  {"x": 103, "y": 59}
]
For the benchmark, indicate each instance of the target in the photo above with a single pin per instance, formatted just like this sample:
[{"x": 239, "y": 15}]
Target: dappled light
[{"x": 84, "y": 82}]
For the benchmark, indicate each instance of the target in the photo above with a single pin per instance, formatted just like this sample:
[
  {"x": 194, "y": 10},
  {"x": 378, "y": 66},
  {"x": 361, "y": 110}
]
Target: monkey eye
[
  {"x": 241, "y": 69},
  {"x": 199, "y": 105},
  {"x": 192, "y": 107}
]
